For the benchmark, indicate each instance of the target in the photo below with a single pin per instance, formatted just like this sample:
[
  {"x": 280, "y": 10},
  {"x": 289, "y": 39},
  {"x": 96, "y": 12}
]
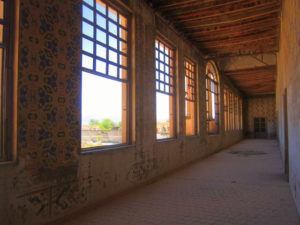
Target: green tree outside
[{"x": 105, "y": 124}]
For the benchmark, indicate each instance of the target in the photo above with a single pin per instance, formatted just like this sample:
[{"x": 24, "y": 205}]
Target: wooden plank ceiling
[
  {"x": 223, "y": 28},
  {"x": 254, "y": 81}
]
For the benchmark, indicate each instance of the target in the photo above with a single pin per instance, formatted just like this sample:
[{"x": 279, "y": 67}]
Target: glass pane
[
  {"x": 112, "y": 28},
  {"x": 101, "y": 67},
  {"x": 101, "y": 21},
  {"x": 113, "y": 42},
  {"x": 87, "y": 13},
  {"x": 112, "y": 14},
  {"x": 1, "y": 33},
  {"x": 87, "y": 45},
  {"x": 190, "y": 118},
  {"x": 1, "y": 9},
  {"x": 122, "y": 21},
  {"x": 123, "y": 34},
  {"x": 87, "y": 62},
  {"x": 101, "y": 125},
  {"x": 162, "y": 116},
  {"x": 113, "y": 56},
  {"x": 101, "y": 7},
  {"x": 123, "y": 73},
  {"x": 123, "y": 60},
  {"x": 89, "y": 2},
  {"x": 101, "y": 36},
  {"x": 112, "y": 71},
  {"x": 87, "y": 29},
  {"x": 101, "y": 51}
]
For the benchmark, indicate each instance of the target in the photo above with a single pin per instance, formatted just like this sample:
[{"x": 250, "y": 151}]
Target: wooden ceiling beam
[
  {"x": 230, "y": 21},
  {"x": 234, "y": 28},
  {"x": 237, "y": 35},
  {"x": 163, "y": 5},
  {"x": 258, "y": 76},
  {"x": 254, "y": 81},
  {"x": 238, "y": 42},
  {"x": 200, "y": 16},
  {"x": 244, "y": 83},
  {"x": 247, "y": 70},
  {"x": 262, "y": 44},
  {"x": 200, "y": 7}
]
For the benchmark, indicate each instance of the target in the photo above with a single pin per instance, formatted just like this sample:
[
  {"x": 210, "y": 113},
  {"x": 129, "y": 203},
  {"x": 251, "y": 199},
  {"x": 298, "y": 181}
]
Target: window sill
[
  {"x": 192, "y": 136},
  {"x": 166, "y": 140},
  {"x": 105, "y": 149},
  {"x": 8, "y": 163},
  {"x": 212, "y": 135},
  {"x": 232, "y": 131}
]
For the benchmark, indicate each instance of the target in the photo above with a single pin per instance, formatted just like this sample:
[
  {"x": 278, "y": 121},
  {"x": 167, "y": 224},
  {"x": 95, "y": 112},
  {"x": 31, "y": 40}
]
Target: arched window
[{"x": 212, "y": 98}]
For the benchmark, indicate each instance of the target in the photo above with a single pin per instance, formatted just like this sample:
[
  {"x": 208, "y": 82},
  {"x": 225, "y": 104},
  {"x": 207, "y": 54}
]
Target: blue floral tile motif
[
  {"x": 45, "y": 25},
  {"x": 44, "y": 97},
  {"x": 51, "y": 116},
  {"x": 51, "y": 45},
  {"x": 45, "y": 59},
  {"x": 24, "y": 17},
  {"x": 49, "y": 84},
  {"x": 24, "y": 57},
  {"x": 52, "y": 80},
  {"x": 23, "y": 93}
]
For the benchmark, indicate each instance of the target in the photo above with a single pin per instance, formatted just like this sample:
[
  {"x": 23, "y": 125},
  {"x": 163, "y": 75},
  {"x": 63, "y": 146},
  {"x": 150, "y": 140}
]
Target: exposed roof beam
[
  {"x": 198, "y": 16},
  {"x": 270, "y": 13},
  {"x": 241, "y": 26}
]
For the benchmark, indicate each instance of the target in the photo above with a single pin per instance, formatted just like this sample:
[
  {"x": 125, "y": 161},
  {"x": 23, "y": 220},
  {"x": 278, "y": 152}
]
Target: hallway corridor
[{"x": 242, "y": 185}]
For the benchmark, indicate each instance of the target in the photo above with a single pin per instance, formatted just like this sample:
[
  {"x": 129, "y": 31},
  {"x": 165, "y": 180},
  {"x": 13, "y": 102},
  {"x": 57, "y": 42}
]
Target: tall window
[
  {"x": 190, "y": 98},
  {"x": 212, "y": 99},
  {"x": 105, "y": 75},
  {"x": 240, "y": 113},
  {"x": 226, "y": 104},
  {"x": 7, "y": 37},
  {"x": 230, "y": 111},
  {"x": 165, "y": 90},
  {"x": 235, "y": 122}
]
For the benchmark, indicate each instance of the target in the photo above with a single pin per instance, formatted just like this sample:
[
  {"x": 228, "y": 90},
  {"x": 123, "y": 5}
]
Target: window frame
[
  {"x": 8, "y": 82},
  {"x": 236, "y": 121},
  {"x": 226, "y": 108},
  {"x": 217, "y": 95},
  {"x": 126, "y": 13},
  {"x": 195, "y": 101},
  {"x": 240, "y": 113},
  {"x": 231, "y": 110},
  {"x": 173, "y": 114}
]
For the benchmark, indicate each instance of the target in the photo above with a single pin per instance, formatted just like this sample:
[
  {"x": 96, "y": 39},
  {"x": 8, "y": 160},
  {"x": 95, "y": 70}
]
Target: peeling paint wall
[
  {"x": 289, "y": 79},
  {"x": 51, "y": 178}
]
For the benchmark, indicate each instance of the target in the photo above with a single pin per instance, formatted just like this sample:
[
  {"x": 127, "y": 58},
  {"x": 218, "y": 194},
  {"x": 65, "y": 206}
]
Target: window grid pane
[
  {"x": 164, "y": 68},
  {"x": 106, "y": 35},
  {"x": 190, "y": 81}
]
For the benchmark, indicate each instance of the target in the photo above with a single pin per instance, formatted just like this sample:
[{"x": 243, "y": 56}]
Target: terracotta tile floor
[{"x": 242, "y": 185}]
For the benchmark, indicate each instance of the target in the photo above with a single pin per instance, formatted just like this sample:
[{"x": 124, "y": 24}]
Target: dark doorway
[
  {"x": 286, "y": 134},
  {"x": 260, "y": 127}
]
